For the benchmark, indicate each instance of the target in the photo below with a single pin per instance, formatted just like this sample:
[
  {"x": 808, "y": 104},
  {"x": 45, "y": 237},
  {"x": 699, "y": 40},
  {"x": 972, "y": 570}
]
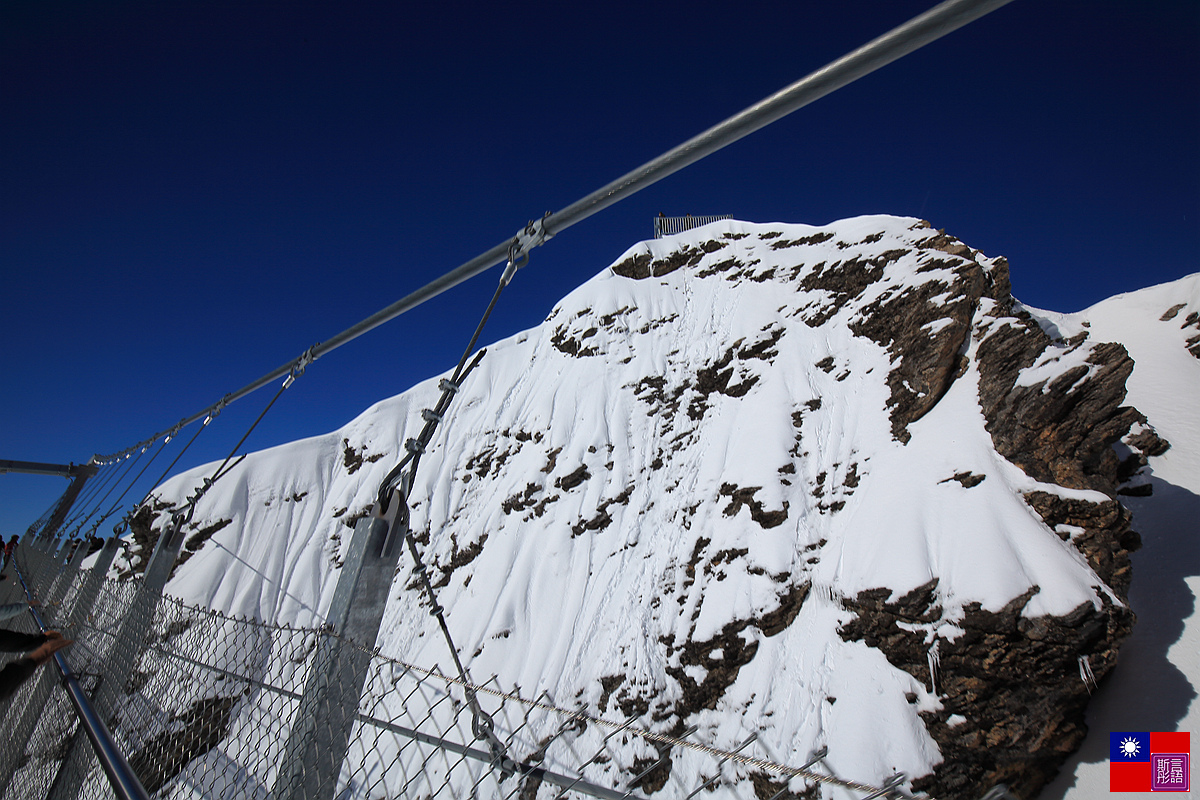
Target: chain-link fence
[{"x": 207, "y": 705}]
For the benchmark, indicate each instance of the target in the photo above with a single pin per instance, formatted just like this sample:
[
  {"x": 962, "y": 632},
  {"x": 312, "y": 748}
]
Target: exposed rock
[
  {"x": 925, "y": 328},
  {"x": 1106, "y": 541},
  {"x": 745, "y": 497},
  {"x": 204, "y": 724},
  {"x": 1061, "y": 431},
  {"x": 353, "y": 457},
  {"x": 1021, "y": 684}
]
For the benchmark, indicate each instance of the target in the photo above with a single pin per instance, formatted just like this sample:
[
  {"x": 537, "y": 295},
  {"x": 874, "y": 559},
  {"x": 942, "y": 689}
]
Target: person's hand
[
  {"x": 47, "y": 650},
  {"x": 53, "y": 635}
]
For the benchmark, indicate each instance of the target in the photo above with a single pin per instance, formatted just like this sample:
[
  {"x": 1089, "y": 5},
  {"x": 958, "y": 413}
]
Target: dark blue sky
[{"x": 192, "y": 193}]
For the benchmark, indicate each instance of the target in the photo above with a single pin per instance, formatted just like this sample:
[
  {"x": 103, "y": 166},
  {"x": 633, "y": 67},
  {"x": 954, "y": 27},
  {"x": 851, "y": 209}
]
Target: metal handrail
[{"x": 121, "y": 777}]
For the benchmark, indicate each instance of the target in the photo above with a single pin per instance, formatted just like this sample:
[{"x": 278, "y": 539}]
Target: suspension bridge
[{"x": 160, "y": 698}]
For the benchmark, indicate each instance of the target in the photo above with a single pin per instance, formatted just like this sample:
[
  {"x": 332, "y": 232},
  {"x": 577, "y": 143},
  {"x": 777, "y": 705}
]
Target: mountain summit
[{"x": 832, "y": 486}]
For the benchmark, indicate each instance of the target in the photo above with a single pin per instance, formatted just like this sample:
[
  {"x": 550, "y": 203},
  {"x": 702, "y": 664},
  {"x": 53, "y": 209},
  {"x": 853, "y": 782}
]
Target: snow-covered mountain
[{"x": 830, "y": 485}]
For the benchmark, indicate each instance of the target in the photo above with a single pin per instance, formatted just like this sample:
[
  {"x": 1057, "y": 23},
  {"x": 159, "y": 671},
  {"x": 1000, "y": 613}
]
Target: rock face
[{"x": 831, "y": 486}]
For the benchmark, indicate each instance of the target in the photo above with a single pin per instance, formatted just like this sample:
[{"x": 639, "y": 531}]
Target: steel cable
[
  {"x": 89, "y": 495},
  {"x": 483, "y": 727},
  {"x": 896, "y": 43},
  {"x": 117, "y": 503},
  {"x": 129, "y": 466}
]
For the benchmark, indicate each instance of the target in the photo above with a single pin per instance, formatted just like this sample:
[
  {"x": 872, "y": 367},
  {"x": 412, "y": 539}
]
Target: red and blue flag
[{"x": 1141, "y": 761}]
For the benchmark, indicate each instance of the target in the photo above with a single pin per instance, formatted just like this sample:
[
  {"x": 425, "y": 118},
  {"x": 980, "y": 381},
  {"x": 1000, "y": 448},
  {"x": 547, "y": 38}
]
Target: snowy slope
[
  {"x": 1155, "y": 684},
  {"x": 688, "y": 479}
]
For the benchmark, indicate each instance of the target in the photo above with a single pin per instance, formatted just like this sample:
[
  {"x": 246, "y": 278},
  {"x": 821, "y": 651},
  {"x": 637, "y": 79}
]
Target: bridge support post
[
  {"x": 321, "y": 727},
  {"x": 122, "y": 655},
  {"x": 66, "y": 562},
  {"x": 79, "y": 476}
]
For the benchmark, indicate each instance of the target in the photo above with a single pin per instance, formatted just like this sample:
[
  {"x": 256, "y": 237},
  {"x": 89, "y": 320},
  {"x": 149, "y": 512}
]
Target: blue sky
[{"x": 195, "y": 192}]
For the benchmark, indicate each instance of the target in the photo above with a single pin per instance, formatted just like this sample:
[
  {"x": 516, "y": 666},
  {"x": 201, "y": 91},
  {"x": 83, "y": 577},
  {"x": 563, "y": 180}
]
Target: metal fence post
[
  {"x": 64, "y": 576},
  {"x": 320, "y": 735},
  {"x": 122, "y": 655},
  {"x": 90, "y": 590}
]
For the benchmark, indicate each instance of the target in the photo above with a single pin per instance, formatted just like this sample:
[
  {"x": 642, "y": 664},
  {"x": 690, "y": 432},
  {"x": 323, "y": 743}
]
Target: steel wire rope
[
  {"x": 170, "y": 466},
  {"x": 896, "y": 43},
  {"x": 117, "y": 503},
  {"x": 39, "y": 523},
  {"x": 222, "y": 470},
  {"x": 482, "y": 724},
  {"x": 89, "y": 495},
  {"x": 128, "y": 466}
]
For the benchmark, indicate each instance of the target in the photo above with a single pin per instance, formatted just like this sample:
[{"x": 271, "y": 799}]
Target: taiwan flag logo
[{"x": 1149, "y": 762}]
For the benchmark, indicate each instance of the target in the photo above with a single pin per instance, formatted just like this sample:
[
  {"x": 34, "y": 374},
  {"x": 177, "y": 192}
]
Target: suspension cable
[
  {"x": 117, "y": 503},
  {"x": 896, "y": 43},
  {"x": 89, "y": 496},
  {"x": 226, "y": 467},
  {"x": 120, "y": 479},
  {"x": 399, "y": 482},
  {"x": 167, "y": 471}
]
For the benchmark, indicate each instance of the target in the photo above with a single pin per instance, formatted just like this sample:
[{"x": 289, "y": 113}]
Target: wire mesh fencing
[{"x": 209, "y": 705}]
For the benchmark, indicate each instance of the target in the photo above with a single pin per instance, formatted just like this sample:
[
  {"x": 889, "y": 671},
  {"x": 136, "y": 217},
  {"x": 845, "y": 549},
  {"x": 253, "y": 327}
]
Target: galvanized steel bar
[
  {"x": 900, "y": 41},
  {"x": 131, "y": 632},
  {"x": 312, "y": 758},
  {"x": 38, "y": 468}
]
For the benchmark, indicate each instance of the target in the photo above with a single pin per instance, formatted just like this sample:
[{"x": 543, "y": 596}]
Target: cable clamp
[
  {"x": 448, "y": 386},
  {"x": 414, "y": 447},
  {"x": 534, "y": 234},
  {"x": 301, "y": 364},
  {"x": 429, "y": 415},
  {"x": 217, "y": 409}
]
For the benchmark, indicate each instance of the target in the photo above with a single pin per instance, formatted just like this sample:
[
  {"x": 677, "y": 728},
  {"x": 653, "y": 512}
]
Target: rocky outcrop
[
  {"x": 925, "y": 330},
  {"x": 671, "y": 482},
  {"x": 1013, "y": 689}
]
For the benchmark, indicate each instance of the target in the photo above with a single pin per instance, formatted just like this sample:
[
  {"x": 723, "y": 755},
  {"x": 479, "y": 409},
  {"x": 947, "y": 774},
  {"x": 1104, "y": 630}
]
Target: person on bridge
[{"x": 10, "y": 547}]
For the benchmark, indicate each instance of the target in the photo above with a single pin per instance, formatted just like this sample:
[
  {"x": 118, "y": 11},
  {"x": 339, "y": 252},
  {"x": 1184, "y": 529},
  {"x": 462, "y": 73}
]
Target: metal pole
[
  {"x": 68, "y": 499},
  {"x": 120, "y": 776},
  {"x": 912, "y": 35},
  {"x": 320, "y": 734},
  {"x": 123, "y": 653}
]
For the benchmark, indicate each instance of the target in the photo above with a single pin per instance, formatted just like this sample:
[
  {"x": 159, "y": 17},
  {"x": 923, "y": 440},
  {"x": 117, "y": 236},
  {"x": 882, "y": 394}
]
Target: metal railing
[
  {"x": 667, "y": 226},
  {"x": 120, "y": 776}
]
